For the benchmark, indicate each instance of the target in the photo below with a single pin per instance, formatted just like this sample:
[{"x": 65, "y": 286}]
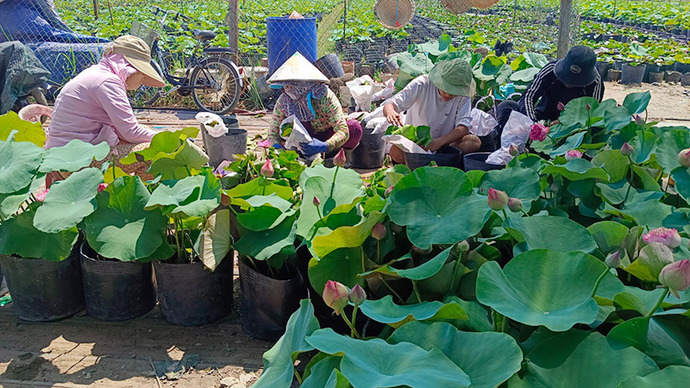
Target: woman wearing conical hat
[{"x": 308, "y": 98}]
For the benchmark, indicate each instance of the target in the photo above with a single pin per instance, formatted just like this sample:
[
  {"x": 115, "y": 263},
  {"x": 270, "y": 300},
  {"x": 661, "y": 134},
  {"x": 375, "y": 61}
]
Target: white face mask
[{"x": 135, "y": 80}]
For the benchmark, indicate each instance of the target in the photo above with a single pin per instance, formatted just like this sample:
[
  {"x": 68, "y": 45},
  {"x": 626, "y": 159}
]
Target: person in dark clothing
[{"x": 558, "y": 82}]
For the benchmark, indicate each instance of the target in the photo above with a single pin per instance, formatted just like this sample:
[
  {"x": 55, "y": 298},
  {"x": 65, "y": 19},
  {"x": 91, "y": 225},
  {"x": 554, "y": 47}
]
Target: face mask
[{"x": 135, "y": 80}]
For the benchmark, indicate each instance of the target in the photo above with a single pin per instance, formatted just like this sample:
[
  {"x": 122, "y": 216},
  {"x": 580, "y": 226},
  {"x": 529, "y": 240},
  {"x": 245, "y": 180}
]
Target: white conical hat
[{"x": 297, "y": 68}]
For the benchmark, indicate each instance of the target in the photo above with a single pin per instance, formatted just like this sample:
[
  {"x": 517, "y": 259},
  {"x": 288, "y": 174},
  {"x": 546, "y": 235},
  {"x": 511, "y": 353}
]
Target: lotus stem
[
  {"x": 599, "y": 279},
  {"x": 335, "y": 174},
  {"x": 505, "y": 215},
  {"x": 361, "y": 255},
  {"x": 416, "y": 291},
  {"x": 297, "y": 376},
  {"x": 353, "y": 330},
  {"x": 504, "y": 324},
  {"x": 378, "y": 251},
  {"x": 392, "y": 290},
  {"x": 354, "y": 320},
  {"x": 658, "y": 303}
]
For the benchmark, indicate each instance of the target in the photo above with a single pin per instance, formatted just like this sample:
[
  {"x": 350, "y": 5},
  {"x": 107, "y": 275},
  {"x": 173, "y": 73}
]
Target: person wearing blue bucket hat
[
  {"x": 555, "y": 85},
  {"x": 440, "y": 100},
  {"x": 308, "y": 98}
]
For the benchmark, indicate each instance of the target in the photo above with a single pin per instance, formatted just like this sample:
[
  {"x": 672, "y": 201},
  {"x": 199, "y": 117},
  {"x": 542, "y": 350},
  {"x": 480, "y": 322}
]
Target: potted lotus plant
[{"x": 194, "y": 281}]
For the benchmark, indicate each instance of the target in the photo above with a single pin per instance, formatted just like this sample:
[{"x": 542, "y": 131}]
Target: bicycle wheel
[
  {"x": 216, "y": 85},
  {"x": 145, "y": 95}
]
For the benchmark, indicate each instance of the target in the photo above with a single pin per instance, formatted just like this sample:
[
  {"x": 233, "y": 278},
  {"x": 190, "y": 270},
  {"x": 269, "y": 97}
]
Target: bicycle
[{"x": 211, "y": 78}]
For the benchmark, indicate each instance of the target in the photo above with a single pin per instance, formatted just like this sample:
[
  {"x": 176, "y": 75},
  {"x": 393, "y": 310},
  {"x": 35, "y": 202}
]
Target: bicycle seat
[
  {"x": 218, "y": 50},
  {"x": 204, "y": 34}
]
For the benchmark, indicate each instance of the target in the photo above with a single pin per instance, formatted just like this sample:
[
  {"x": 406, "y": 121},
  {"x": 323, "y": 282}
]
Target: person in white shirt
[{"x": 440, "y": 100}]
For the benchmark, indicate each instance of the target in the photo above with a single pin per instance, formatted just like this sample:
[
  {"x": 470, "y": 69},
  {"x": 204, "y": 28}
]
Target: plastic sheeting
[{"x": 20, "y": 71}]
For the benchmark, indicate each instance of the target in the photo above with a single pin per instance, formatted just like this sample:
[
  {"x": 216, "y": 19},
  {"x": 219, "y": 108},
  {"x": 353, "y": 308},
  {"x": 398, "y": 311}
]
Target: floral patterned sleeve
[
  {"x": 332, "y": 116},
  {"x": 274, "y": 129}
]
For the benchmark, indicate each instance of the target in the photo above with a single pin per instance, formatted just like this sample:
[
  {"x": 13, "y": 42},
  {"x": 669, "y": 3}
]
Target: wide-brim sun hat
[
  {"x": 454, "y": 77},
  {"x": 297, "y": 68},
  {"x": 138, "y": 54},
  {"x": 578, "y": 68}
]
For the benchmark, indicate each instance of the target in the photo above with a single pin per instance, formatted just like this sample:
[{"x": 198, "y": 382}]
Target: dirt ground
[{"x": 82, "y": 351}]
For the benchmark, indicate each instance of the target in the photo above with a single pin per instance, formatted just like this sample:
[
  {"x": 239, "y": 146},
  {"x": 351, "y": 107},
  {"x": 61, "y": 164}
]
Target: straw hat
[
  {"x": 138, "y": 54},
  {"x": 457, "y": 6},
  {"x": 394, "y": 14},
  {"x": 297, "y": 68},
  {"x": 483, "y": 4}
]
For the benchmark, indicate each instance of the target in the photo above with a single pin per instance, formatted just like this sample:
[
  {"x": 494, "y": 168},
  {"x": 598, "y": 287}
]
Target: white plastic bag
[
  {"x": 361, "y": 89},
  {"x": 386, "y": 93},
  {"x": 298, "y": 135},
  {"x": 405, "y": 144},
  {"x": 212, "y": 123},
  {"x": 482, "y": 122},
  {"x": 516, "y": 132}
]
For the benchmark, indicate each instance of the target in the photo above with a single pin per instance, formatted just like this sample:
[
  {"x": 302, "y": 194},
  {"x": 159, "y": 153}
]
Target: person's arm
[
  {"x": 330, "y": 106},
  {"x": 274, "y": 128},
  {"x": 113, "y": 98},
  {"x": 536, "y": 89},
  {"x": 403, "y": 100}
]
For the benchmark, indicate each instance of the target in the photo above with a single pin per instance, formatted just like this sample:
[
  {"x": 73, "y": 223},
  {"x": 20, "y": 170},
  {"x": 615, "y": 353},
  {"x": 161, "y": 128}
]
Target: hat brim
[
  {"x": 151, "y": 76},
  {"x": 456, "y": 90},
  {"x": 564, "y": 75}
]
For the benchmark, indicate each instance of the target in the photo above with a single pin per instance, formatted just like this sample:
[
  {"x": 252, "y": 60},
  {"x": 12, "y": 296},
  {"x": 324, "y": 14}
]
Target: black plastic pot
[
  {"x": 613, "y": 75},
  {"x": 266, "y": 303},
  {"x": 370, "y": 152},
  {"x": 603, "y": 68},
  {"x": 673, "y": 76},
  {"x": 632, "y": 74},
  {"x": 191, "y": 295},
  {"x": 477, "y": 161},
  {"x": 445, "y": 156},
  {"x": 330, "y": 66},
  {"x": 656, "y": 77},
  {"x": 651, "y": 68},
  {"x": 44, "y": 291},
  {"x": 116, "y": 290}
]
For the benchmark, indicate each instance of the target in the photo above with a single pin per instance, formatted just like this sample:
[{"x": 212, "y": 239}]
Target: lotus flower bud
[
  {"x": 514, "y": 204},
  {"x": 224, "y": 200},
  {"x": 638, "y": 120},
  {"x": 676, "y": 276},
  {"x": 684, "y": 157},
  {"x": 463, "y": 246},
  {"x": 560, "y": 106},
  {"x": 101, "y": 187},
  {"x": 513, "y": 150},
  {"x": 573, "y": 154},
  {"x": 666, "y": 236},
  {"x": 588, "y": 107},
  {"x": 316, "y": 201},
  {"x": 497, "y": 199},
  {"x": 339, "y": 159},
  {"x": 336, "y": 296},
  {"x": 538, "y": 132},
  {"x": 267, "y": 169},
  {"x": 357, "y": 295},
  {"x": 389, "y": 191},
  {"x": 627, "y": 149},
  {"x": 379, "y": 231},
  {"x": 140, "y": 158},
  {"x": 613, "y": 260}
]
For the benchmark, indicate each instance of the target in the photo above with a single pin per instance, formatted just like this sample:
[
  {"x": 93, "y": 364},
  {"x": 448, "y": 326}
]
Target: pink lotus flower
[
  {"x": 102, "y": 187},
  {"x": 684, "y": 157},
  {"x": 497, "y": 199},
  {"x": 560, "y": 106},
  {"x": 573, "y": 154},
  {"x": 336, "y": 296},
  {"x": 676, "y": 276},
  {"x": 357, "y": 295},
  {"x": 613, "y": 260},
  {"x": 627, "y": 149},
  {"x": 666, "y": 236},
  {"x": 340, "y": 159},
  {"x": 316, "y": 201},
  {"x": 267, "y": 169},
  {"x": 264, "y": 143},
  {"x": 514, "y": 204},
  {"x": 41, "y": 196},
  {"x": 538, "y": 132},
  {"x": 379, "y": 231}
]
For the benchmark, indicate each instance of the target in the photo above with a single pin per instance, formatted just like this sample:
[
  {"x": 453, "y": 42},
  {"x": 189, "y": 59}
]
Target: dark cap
[{"x": 578, "y": 67}]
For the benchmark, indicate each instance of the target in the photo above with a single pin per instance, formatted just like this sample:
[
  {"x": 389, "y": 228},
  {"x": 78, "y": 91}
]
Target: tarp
[
  {"x": 20, "y": 71},
  {"x": 36, "y": 23}
]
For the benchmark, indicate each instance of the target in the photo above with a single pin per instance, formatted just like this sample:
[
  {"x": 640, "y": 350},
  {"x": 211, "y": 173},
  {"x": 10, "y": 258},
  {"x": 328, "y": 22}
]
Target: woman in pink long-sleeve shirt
[{"x": 94, "y": 107}]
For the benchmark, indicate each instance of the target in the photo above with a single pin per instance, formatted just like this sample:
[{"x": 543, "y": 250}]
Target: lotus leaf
[
  {"x": 671, "y": 376},
  {"x": 179, "y": 164},
  {"x": 385, "y": 311},
  {"x": 537, "y": 288},
  {"x": 343, "y": 265},
  {"x": 488, "y": 358},
  {"x": 216, "y": 240},
  {"x": 73, "y": 156},
  {"x": 670, "y": 144},
  {"x": 609, "y": 235},
  {"x": 264, "y": 244},
  {"x": 577, "y": 169},
  {"x": 26, "y": 130},
  {"x": 346, "y": 236},
  {"x": 522, "y": 183},
  {"x": 165, "y": 142},
  {"x": 636, "y": 103},
  {"x": 19, "y": 163},
  {"x": 10, "y": 203},
  {"x": 556, "y": 233},
  {"x": 375, "y": 363}
]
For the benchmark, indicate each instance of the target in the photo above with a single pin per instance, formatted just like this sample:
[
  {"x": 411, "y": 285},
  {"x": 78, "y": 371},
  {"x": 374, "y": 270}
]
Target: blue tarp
[{"x": 36, "y": 23}]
